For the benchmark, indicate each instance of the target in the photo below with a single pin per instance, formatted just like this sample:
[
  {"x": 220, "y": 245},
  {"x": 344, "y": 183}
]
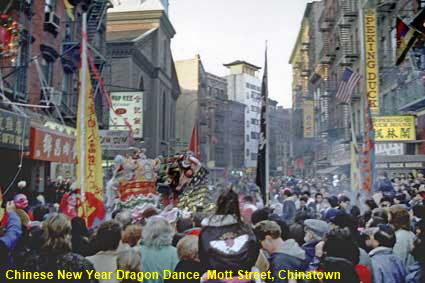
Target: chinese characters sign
[
  {"x": 14, "y": 130},
  {"x": 308, "y": 112},
  {"x": 394, "y": 128},
  {"x": 52, "y": 146},
  {"x": 128, "y": 108},
  {"x": 371, "y": 53}
]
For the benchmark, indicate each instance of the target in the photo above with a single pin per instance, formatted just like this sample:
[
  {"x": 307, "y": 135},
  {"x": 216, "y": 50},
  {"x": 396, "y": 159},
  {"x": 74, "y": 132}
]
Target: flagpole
[
  {"x": 82, "y": 106},
  {"x": 267, "y": 138}
]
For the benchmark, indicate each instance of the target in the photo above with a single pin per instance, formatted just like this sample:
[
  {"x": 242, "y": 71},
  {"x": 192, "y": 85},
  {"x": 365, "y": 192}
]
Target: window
[
  {"x": 50, "y": 6},
  {"x": 47, "y": 68},
  {"x": 253, "y": 156},
  {"x": 247, "y": 85},
  {"x": 247, "y": 123},
  {"x": 247, "y": 138},
  {"x": 164, "y": 117},
  {"x": 247, "y": 95},
  {"x": 253, "y": 108},
  {"x": 254, "y": 135},
  {"x": 141, "y": 84},
  {"x": 255, "y": 121},
  {"x": 247, "y": 152}
]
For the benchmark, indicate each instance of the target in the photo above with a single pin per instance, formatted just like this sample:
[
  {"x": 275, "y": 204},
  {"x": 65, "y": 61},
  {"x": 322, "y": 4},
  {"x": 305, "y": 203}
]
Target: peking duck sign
[{"x": 52, "y": 146}]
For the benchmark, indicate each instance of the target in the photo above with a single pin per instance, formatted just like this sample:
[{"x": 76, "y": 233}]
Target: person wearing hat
[{"x": 315, "y": 231}]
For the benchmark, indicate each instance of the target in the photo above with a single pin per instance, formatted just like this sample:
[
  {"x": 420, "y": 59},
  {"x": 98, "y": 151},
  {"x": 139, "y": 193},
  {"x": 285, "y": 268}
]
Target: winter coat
[
  {"x": 289, "y": 257},
  {"x": 158, "y": 259},
  {"x": 364, "y": 259},
  {"x": 414, "y": 275},
  {"x": 289, "y": 211},
  {"x": 11, "y": 238},
  {"x": 346, "y": 269},
  {"x": 227, "y": 245},
  {"x": 69, "y": 262},
  {"x": 105, "y": 261},
  {"x": 310, "y": 251},
  {"x": 13, "y": 231},
  {"x": 386, "y": 187},
  {"x": 403, "y": 245},
  {"x": 387, "y": 267}
]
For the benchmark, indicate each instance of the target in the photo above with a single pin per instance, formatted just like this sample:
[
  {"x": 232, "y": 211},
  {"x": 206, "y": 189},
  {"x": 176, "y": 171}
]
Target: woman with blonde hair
[
  {"x": 56, "y": 252},
  {"x": 129, "y": 259}
]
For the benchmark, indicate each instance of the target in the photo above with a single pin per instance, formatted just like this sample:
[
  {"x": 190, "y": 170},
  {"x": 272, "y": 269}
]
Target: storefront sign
[
  {"x": 111, "y": 140},
  {"x": 371, "y": 53},
  {"x": 52, "y": 146},
  {"x": 389, "y": 149},
  {"x": 394, "y": 128},
  {"x": 128, "y": 108},
  {"x": 308, "y": 112},
  {"x": 14, "y": 131},
  {"x": 401, "y": 165},
  {"x": 340, "y": 155}
]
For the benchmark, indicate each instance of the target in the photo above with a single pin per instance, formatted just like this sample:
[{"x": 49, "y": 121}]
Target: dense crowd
[{"x": 312, "y": 226}]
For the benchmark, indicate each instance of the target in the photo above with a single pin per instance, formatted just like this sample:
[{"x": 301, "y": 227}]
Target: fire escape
[
  {"x": 14, "y": 68},
  {"x": 96, "y": 33}
]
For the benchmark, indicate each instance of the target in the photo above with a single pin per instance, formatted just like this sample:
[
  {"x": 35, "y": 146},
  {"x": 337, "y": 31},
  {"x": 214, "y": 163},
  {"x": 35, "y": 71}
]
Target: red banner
[
  {"x": 54, "y": 146},
  {"x": 137, "y": 188}
]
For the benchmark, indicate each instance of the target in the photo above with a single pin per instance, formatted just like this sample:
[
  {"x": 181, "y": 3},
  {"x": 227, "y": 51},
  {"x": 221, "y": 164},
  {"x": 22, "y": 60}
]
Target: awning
[
  {"x": 416, "y": 105},
  {"x": 328, "y": 170}
]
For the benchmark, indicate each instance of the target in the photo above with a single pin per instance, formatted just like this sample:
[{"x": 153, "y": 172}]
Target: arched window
[{"x": 142, "y": 84}]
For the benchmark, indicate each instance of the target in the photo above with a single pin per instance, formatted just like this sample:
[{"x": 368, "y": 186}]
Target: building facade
[
  {"x": 139, "y": 38},
  {"x": 244, "y": 86},
  {"x": 39, "y": 59}
]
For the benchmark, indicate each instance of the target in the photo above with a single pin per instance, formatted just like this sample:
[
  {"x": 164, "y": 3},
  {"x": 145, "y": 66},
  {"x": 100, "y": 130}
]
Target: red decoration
[{"x": 8, "y": 36}]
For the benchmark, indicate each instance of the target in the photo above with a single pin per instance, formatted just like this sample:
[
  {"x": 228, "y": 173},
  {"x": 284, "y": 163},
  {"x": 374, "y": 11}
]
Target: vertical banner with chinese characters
[
  {"x": 308, "y": 118},
  {"x": 89, "y": 165},
  {"x": 127, "y": 109},
  {"x": 371, "y": 57}
]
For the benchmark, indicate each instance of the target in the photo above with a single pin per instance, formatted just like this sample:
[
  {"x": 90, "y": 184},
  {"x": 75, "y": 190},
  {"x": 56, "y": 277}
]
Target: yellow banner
[
  {"x": 371, "y": 57},
  {"x": 88, "y": 146},
  {"x": 394, "y": 128},
  {"x": 308, "y": 118}
]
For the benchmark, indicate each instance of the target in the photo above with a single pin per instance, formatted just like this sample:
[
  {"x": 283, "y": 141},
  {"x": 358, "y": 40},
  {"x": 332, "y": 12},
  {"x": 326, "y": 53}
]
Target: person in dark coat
[
  {"x": 315, "y": 230},
  {"x": 416, "y": 272},
  {"x": 80, "y": 237},
  {"x": 225, "y": 242},
  {"x": 10, "y": 239},
  {"x": 284, "y": 255},
  {"x": 187, "y": 250}
]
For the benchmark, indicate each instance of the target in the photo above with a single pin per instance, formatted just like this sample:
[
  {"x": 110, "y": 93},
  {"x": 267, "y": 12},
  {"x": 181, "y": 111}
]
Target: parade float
[{"x": 139, "y": 183}]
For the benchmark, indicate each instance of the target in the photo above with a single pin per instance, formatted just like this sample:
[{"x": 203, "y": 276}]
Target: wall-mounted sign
[
  {"x": 128, "y": 108},
  {"x": 389, "y": 149},
  {"x": 308, "y": 118},
  {"x": 340, "y": 154},
  {"x": 14, "y": 131},
  {"x": 54, "y": 146},
  {"x": 394, "y": 128},
  {"x": 111, "y": 140},
  {"x": 371, "y": 51}
]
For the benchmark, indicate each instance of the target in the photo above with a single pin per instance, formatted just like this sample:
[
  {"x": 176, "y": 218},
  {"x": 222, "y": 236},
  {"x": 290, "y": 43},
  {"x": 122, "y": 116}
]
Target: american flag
[{"x": 349, "y": 81}]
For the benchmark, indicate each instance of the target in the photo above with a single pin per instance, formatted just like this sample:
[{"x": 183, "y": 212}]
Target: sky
[{"x": 222, "y": 31}]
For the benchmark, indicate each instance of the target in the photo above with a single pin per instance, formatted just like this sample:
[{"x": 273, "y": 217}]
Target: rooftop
[
  {"x": 136, "y": 5},
  {"x": 239, "y": 62}
]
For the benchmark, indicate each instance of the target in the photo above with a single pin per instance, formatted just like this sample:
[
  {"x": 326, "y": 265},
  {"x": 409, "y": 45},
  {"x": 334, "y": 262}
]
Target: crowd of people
[{"x": 310, "y": 227}]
